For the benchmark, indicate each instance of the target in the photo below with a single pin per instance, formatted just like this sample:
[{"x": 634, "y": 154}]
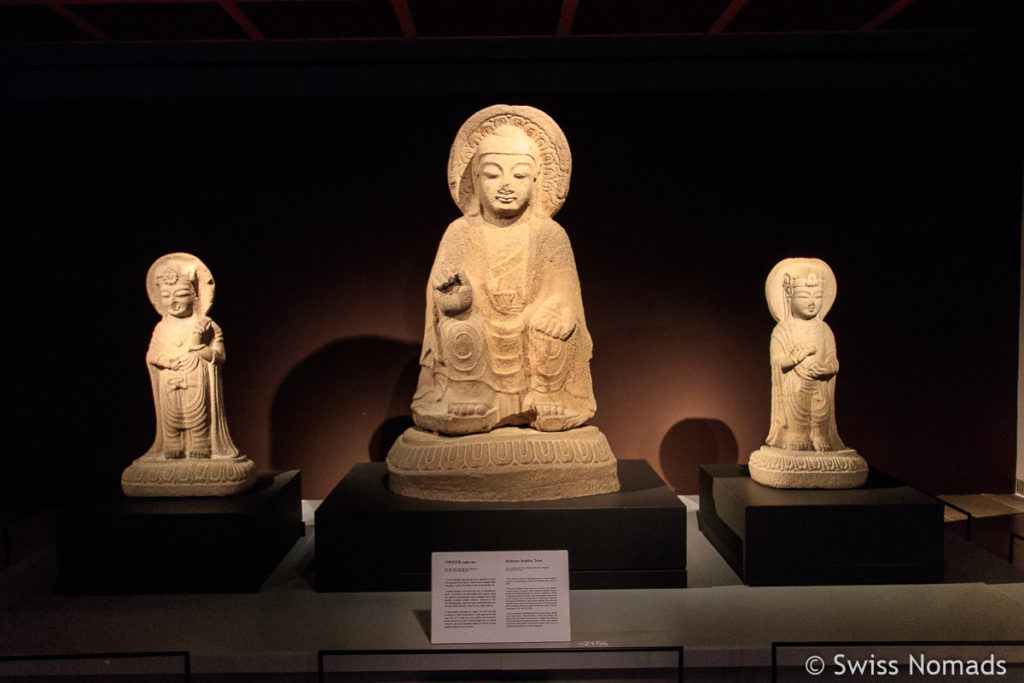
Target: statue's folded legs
[{"x": 483, "y": 379}]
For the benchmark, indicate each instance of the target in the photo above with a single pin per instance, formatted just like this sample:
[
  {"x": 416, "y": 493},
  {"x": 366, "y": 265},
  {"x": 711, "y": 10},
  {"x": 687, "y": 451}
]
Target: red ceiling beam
[
  {"x": 46, "y": 3},
  {"x": 401, "y": 8},
  {"x": 731, "y": 10},
  {"x": 238, "y": 15},
  {"x": 60, "y": 10},
  {"x": 566, "y": 16},
  {"x": 886, "y": 14}
]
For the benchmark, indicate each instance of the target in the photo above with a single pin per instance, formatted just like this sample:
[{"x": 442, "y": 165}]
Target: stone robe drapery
[
  {"x": 191, "y": 398},
  {"x": 802, "y": 407},
  {"x": 512, "y": 278}
]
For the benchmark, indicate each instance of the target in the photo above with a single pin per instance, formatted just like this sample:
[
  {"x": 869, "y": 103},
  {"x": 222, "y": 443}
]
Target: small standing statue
[
  {"x": 803, "y": 449},
  {"x": 504, "y": 382},
  {"x": 192, "y": 454}
]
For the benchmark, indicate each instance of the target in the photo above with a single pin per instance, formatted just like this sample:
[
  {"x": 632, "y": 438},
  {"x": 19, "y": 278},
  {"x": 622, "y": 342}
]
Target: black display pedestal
[
  {"x": 883, "y": 532},
  {"x": 112, "y": 544},
  {"x": 370, "y": 539}
]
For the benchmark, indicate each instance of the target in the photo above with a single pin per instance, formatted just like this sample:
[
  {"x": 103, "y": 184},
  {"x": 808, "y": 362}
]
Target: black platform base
[
  {"x": 118, "y": 545},
  {"x": 883, "y": 532},
  {"x": 370, "y": 539}
]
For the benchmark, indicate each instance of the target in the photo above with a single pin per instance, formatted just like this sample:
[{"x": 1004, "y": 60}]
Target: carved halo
[
  {"x": 555, "y": 161},
  {"x": 184, "y": 264},
  {"x": 798, "y": 267}
]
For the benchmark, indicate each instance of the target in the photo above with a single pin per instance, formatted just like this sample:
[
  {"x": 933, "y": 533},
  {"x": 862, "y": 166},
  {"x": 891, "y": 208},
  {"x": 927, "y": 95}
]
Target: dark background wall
[{"x": 314, "y": 188}]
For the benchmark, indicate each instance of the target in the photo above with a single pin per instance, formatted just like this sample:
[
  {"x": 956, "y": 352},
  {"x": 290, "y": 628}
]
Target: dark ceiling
[{"x": 129, "y": 21}]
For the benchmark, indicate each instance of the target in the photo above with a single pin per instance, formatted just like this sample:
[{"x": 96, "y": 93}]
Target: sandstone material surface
[
  {"x": 803, "y": 448},
  {"x": 506, "y": 464},
  {"x": 781, "y": 469},
  {"x": 192, "y": 453},
  {"x": 505, "y": 341}
]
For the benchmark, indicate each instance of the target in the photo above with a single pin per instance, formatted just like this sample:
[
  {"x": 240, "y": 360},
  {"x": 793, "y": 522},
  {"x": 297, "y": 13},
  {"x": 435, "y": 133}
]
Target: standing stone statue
[
  {"x": 192, "y": 454},
  {"x": 504, "y": 382},
  {"x": 803, "y": 449}
]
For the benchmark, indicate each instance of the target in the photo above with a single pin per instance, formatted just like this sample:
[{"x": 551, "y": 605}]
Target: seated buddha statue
[
  {"x": 504, "y": 386},
  {"x": 505, "y": 339}
]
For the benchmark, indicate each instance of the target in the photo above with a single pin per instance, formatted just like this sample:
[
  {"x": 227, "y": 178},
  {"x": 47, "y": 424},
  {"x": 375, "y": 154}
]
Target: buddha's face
[
  {"x": 504, "y": 184},
  {"x": 806, "y": 302},
  {"x": 179, "y": 299}
]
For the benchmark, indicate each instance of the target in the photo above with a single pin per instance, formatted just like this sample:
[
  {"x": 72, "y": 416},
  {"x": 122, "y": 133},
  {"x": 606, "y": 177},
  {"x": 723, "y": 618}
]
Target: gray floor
[{"x": 726, "y": 628}]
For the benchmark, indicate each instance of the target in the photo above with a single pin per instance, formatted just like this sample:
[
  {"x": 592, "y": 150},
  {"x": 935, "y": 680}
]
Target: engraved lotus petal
[
  {"x": 453, "y": 458},
  {"x": 501, "y": 454},
  {"x": 476, "y": 456},
  {"x": 545, "y": 452},
  {"x": 430, "y": 460},
  {"x": 523, "y": 454}
]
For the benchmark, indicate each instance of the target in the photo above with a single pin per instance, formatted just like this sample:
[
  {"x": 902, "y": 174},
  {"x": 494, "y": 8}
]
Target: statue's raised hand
[
  {"x": 454, "y": 293},
  {"x": 203, "y": 351},
  {"x": 800, "y": 352},
  {"x": 446, "y": 279}
]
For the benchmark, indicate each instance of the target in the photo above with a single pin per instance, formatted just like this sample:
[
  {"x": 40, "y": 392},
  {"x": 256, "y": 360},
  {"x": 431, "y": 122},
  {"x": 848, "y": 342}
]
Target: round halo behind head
[
  {"x": 179, "y": 266},
  {"x": 798, "y": 270},
  {"x": 541, "y": 138}
]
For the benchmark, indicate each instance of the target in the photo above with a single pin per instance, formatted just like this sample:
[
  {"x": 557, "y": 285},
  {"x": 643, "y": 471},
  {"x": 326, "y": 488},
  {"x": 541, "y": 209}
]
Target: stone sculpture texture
[
  {"x": 192, "y": 453},
  {"x": 504, "y": 386},
  {"x": 803, "y": 448}
]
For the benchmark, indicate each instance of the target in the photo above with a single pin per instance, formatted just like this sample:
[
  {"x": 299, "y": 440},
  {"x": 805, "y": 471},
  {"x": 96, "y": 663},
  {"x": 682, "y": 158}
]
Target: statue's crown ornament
[
  {"x": 789, "y": 283},
  {"x": 172, "y": 277},
  {"x": 168, "y": 277}
]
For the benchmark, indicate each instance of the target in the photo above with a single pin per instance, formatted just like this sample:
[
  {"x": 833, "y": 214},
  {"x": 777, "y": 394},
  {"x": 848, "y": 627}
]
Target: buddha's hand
[
  {"x": 198, "y": 330},
  {"x": 446, "y": 279},
  {"x": 197, "y": 346},
  {"x": 185, "y": 361},
  {"x": 203, "y": 351},
  {"x": 454, "y": 294},
  {"x": 800, "y": 352},
  {"x": 554, "y": 319},
  {"x": 817, "y": 370}
]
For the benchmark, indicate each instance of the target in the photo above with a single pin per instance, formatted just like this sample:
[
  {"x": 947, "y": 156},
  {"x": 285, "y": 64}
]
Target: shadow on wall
[
  {"x": 691, "y": 443},
  {"x": 344, "y": 404}
]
